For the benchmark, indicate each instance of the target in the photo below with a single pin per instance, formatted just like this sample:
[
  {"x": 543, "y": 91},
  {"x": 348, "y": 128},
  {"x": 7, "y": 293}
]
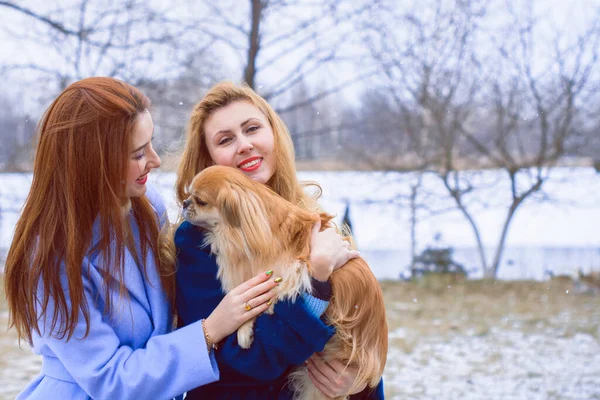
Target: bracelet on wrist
[{"x": 210, "y": 345}]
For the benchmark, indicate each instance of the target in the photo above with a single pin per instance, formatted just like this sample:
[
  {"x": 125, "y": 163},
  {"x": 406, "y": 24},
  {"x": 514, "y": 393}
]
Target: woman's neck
[{"x": 126, "y": 207}]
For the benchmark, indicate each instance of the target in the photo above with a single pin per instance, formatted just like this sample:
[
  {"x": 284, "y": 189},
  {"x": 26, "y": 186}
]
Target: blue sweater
[{"x": 281, "y": 341}]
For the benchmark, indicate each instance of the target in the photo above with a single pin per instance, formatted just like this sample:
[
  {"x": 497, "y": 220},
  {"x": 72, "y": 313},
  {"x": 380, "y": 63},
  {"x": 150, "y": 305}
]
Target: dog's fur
[{"x": 251, "y": 229}]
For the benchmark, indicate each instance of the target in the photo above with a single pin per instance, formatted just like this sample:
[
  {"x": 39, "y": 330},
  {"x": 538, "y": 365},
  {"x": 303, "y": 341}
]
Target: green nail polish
[{"x": 269, "y": 272}]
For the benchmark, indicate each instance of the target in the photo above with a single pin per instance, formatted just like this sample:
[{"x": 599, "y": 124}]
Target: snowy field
[
  {"x": 561, "y": 235},
  {"x": 537, "y": 339},
  {"x": 458, "y": 341},
  {"x": 505, "y": 340}
]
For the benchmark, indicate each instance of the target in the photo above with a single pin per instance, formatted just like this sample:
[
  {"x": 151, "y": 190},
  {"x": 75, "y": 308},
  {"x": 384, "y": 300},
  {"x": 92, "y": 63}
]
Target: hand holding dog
[
  {"x": 332, "y": 378},
  {"x": 328, "y": 252},
  {"x": 231, "y": 312}
]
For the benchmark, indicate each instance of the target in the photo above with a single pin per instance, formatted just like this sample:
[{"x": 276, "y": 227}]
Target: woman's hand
[
  {"x": 328, "y": 251},
  {"x": 231, "y": 312},
  {"x": 331, "y": 378}
]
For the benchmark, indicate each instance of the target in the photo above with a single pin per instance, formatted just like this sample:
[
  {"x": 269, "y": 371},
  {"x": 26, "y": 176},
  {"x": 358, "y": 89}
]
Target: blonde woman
[{"x": 233, "y": 126}]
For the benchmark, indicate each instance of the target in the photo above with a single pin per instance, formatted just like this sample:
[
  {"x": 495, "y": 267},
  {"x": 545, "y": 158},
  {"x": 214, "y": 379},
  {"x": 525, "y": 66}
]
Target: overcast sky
[{"x": 570, "y": 16}]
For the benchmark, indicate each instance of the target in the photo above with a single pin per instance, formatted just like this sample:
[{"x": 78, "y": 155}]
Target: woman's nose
[
  {"x": 244, "y": 145},
  {"x": 154, "y": 159}
]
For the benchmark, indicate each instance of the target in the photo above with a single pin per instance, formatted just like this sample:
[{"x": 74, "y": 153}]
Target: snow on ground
[
  {"x": 561, "y": 235},
  {"x": 467, "y": 343},
  {"x": 503, "y": 364}
]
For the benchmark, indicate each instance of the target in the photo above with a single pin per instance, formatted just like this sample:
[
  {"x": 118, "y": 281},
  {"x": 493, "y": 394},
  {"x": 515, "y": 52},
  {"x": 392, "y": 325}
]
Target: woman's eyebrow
[
  {"x": 145, "y": 144},
  {"x": 141, "y": 147},
  {"x": 241, "y": 125},
  {"x": 248, "y": 121}
]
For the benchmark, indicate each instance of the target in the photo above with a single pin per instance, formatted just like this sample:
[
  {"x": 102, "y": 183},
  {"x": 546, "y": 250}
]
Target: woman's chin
[{"x": 258, "y": 176}]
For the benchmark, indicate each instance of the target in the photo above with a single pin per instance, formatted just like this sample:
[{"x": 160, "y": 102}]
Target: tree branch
[{"x": 53, "y": 24}]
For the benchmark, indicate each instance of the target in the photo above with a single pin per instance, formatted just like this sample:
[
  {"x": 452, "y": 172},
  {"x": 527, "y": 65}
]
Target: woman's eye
[
  {"x": 253, "y": 128},
  {"x": 224, "y": 141},
  {"x": 138, "y": 156}
]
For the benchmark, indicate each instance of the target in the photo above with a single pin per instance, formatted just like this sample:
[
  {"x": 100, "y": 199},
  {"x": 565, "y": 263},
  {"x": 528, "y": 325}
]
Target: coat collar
[{"x": 143, "y": 288}]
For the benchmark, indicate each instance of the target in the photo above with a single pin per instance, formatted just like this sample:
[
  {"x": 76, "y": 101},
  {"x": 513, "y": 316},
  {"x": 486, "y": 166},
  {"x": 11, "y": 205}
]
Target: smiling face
[
  {"x": 142, "y": 158},
  {"x": 240, "y": 136}
]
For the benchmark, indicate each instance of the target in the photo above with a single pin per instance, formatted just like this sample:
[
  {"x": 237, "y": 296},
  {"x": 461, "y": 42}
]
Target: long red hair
[{"x": 78, "y": 177}]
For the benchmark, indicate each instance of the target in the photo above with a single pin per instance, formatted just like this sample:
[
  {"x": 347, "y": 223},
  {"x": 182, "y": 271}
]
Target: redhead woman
[
  {"x": 84, "y": 287},
  {"x": 233, "y": 126}
]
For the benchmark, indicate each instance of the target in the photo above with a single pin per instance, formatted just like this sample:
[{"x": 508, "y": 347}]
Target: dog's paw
[{"x": 245, "y": 335}]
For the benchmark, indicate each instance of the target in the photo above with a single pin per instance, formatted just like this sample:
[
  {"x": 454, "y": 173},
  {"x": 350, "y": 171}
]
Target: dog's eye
[{"x": 200, "y": 202}]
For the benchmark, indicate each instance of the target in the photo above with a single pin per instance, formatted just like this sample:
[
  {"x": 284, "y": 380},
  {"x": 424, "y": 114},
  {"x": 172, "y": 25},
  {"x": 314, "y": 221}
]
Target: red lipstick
[{"x": 255, "y": 163}]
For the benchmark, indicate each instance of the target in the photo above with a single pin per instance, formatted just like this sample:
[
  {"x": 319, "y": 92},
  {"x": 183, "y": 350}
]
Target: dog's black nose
[{"x": 186, "y": 204}]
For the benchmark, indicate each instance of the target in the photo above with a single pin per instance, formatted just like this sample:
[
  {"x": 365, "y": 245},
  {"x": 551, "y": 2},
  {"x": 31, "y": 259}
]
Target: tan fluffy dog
[{"x": 251, "y": 229}]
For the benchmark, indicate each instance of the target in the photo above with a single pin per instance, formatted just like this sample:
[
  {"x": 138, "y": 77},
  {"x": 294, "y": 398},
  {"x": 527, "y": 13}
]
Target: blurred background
[{"x": 455, "y": 137}]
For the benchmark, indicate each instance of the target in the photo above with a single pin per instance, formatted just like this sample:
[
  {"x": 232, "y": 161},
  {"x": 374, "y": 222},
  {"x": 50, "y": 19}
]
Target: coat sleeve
[
  {"x": 286, "y": 338},
  {"x": 104, "y": 368}
]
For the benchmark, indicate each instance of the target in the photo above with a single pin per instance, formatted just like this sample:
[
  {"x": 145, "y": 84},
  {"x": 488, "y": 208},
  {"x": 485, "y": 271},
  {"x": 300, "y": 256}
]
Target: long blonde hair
[{"x": 196, "y": 157}]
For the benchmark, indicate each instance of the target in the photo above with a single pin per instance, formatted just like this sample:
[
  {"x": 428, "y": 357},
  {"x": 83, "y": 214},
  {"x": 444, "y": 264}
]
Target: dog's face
[
  {"x": 212, "y": 196},
  {"x": 227, "y": 203},
  {"x": 223, "y": 196},
  {"x": 200, "y": 207}
]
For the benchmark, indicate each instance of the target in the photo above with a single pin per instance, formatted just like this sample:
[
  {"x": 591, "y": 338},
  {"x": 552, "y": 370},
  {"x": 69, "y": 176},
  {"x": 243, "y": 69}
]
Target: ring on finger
[{"x": 247, "y": 306}]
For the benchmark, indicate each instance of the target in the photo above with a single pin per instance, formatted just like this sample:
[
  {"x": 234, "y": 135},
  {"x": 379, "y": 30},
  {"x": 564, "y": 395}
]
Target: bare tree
[
  {"x": 173, "y": 100},
  {"x": 534, "y": 113},
  {"x": 54, "y": 24},
  {"x": 407, "y": 120},
  {"x": 70, "y": 40},
  {"x": 462, "y": 103},
  {"x": 282, "y": 44},
  {"x": 17, "y": 130},
  {"x": 141, "y": 44},
  {"x": 312, "y": 125}
]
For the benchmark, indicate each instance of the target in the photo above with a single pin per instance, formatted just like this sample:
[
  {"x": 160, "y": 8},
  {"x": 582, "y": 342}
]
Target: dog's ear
[
  {"x": 297, "y": 225},
  {"x": 229, "y": 202},
  {"x": 244, "y": 210}
]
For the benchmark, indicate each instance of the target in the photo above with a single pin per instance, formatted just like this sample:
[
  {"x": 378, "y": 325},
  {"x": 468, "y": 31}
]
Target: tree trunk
[
  {"x": 254, "y": 42},
  {"x": 500, "y": 248},
  {"x": 414, "y": 191},
  {"x": 487, "y": 271}
]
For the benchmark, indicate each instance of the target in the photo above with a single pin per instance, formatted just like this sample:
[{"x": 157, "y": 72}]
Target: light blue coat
[{"x": 130, "y": 354}]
